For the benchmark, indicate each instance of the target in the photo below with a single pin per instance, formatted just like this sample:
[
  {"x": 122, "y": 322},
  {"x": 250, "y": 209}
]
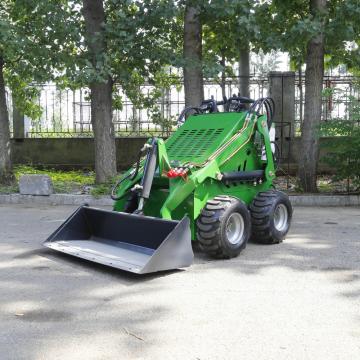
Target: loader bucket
[{"x": 129, "y": 242}]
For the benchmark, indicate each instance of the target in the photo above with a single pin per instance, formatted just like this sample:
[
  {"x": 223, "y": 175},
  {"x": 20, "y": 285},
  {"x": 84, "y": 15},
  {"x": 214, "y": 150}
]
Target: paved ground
[{"x": 297, "y": 300}]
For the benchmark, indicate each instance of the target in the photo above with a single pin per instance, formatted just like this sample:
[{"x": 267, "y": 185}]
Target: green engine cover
[{"x": 201, "y": 135}]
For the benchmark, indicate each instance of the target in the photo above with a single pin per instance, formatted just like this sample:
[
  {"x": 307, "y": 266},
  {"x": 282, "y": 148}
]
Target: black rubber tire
[
  {"x": 262, "y": 211},
  {"x": 211, "y": 231},
  {"x": 131, "y": 203}
]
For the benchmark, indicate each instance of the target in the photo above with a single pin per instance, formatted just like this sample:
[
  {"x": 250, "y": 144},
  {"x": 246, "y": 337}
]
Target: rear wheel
[
  {"x": 271, "y": 213},
  {"x": 224, "y": 227}
]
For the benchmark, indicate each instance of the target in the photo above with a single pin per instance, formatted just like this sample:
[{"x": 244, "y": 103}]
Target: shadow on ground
[{"x": 49, "y": 298}]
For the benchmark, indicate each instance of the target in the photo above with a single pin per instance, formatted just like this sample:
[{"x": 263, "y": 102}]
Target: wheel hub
[
  {"x": 235, "y": 228},
  {"x": 281, "y": 216}
]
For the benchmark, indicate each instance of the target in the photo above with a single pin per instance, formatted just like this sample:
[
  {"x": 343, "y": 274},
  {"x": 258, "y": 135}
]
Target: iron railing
[{"x": 67, "y": 113}]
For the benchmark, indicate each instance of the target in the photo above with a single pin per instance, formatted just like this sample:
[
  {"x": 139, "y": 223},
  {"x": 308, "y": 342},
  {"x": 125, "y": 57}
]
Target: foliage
[
  {"x": 289, "y": 25},
  {"x": 228, "y": 27},
  {"x": 43, "y": 41},
  {"x": 166, "y": 123},
  {"x": 264, "y": 63},
  {"x": 344, "y": 144},
  {"x": 29, "y": 50},
  {"x": 139, "y": 50}
]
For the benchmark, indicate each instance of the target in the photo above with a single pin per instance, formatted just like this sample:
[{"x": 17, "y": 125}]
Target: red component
[
  {"x": 178, "y": 172},
  {"x": 171, "y": 173}
]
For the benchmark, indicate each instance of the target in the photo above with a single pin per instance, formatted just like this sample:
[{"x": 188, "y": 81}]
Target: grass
[
  {"x": 100, "y": 190},
  {"x": 9, "y": 189}
]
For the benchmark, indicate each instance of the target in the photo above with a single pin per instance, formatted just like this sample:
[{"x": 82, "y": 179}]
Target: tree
[
  {"x": 309, "y": 30},
  {"x": 230, "y": 31},
  {"x": 218, "y": 50},
  {"x": 246, "y": 21},
  {"x": 244, "y": 71},
  {"x": 6, "y": 175},
  {"x": 101, "y": 91},
  {"x": 28, "y": 53},
  {"x": 104, "y": 43},
  {"x": 314, "y": 74},
  {"x": 8, "y": 53},
  {"x": 127, "y": 43},
  {"x": 192, "y": 53}
]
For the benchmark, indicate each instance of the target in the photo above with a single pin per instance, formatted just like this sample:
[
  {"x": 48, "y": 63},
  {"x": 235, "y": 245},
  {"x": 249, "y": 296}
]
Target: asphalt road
[{"x": 297, "y": 300}]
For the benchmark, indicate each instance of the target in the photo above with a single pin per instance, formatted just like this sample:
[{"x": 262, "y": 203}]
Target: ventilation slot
[{"x": 193, "y": 144}]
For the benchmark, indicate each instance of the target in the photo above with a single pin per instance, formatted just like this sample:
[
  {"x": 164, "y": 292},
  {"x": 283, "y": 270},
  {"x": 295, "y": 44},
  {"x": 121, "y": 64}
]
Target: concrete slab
[
  {"x": 35, "y": 185},
  {"x": 297, "y": 300}
]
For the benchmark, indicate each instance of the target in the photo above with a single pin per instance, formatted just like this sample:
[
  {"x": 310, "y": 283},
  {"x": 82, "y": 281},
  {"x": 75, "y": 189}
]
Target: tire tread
[
  {"x": 260, "y": 210},
  {"x": 209, "y": 225}
]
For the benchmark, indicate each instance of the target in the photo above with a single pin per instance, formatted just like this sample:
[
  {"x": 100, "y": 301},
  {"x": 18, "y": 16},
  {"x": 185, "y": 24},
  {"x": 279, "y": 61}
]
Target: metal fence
[
  {"x": 338, "y": 91},
  {"x": 67, "y": 113}
]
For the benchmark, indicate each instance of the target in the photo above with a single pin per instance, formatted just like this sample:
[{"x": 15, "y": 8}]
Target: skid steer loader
[{"x": 211, "y": 181}]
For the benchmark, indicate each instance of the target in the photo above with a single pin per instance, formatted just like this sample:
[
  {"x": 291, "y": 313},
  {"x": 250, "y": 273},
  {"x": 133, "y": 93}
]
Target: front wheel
[
  {"x": 224, "y": 227},
  {"x": 271, "y": 214}
]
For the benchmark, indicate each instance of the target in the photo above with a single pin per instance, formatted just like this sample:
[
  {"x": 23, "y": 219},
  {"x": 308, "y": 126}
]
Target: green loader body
[
  {"x": 209, "y": 145},
  {"x": 211, "y": 181}
]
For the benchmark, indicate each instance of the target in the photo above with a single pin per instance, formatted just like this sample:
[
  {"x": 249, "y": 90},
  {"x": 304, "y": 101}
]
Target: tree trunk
[
  {"x": 223, "y": 76},
  {"x": 314, "y": 74},
  {"x": 101, "y": 93},
  {"x": 192, "y": 52},
  {"x": 6, "y": 175},
  {"x": 301, "y": 95},
  {"x": 244, "y": 72}
]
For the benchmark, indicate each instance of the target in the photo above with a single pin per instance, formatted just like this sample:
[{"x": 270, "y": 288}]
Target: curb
[
  {"x": 56, "y": 199},
  {"x": 325, "y": 200},
  {"x": 68, "y": 199}
]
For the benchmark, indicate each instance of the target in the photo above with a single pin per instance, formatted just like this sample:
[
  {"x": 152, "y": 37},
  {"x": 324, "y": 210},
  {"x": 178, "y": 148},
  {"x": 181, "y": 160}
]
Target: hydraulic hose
[
  {"x": 269, "y": 105},
  {"x": 181, "y": 118},
  {"x": 130, "y": 176}
]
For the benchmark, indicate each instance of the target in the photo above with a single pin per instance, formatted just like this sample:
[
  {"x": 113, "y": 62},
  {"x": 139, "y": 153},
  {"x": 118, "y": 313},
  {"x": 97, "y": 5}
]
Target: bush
[{"x": 344, "y": 145}]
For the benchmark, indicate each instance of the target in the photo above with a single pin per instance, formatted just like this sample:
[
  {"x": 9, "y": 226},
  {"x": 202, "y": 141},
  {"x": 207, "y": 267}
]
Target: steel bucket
[{"x": 135, "y": 243}]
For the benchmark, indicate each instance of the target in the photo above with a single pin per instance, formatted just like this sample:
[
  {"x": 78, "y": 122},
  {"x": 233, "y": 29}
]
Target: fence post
[
  {"x": 282, "y": 90},
  {"x": 18, "y": 123}
]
